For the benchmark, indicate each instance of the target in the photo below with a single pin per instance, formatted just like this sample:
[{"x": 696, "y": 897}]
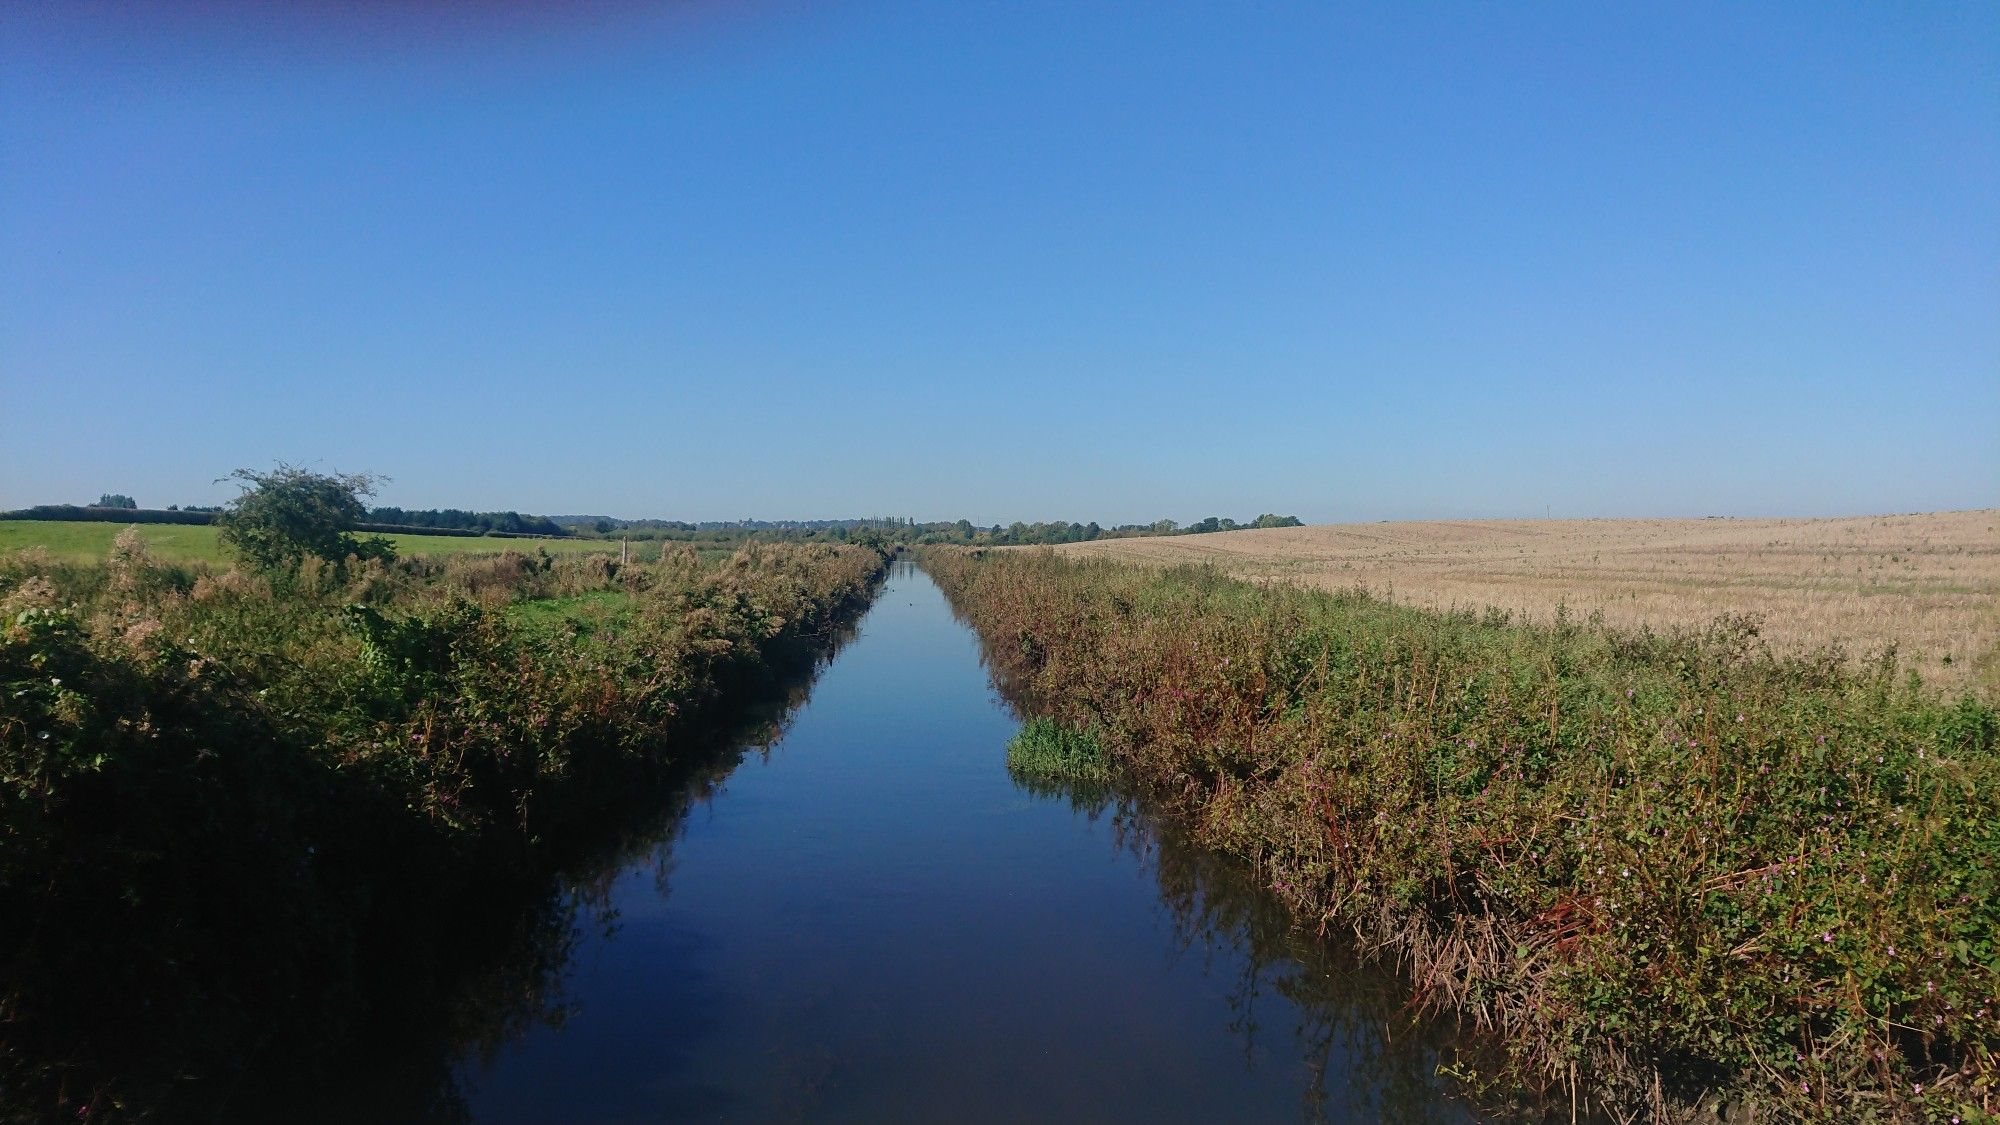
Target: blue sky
[{"x": 1008, "y": 261}]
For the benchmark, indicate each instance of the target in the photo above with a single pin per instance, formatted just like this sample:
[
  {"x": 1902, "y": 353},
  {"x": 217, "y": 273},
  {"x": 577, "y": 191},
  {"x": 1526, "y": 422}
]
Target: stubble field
[{"x": 1928, "y": 584}]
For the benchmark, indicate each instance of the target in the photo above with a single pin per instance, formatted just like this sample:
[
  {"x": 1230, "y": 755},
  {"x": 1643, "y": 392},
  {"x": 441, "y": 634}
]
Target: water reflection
[
  {"x": 1360, "y": 1055},
  {"x": 527, "y": 984}
]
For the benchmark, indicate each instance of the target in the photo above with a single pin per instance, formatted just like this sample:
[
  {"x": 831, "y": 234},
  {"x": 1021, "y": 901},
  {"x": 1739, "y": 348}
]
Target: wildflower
[{"x": 1826, "y": 936}]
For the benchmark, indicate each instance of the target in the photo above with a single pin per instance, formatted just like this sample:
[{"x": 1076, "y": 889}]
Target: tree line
[
  {"x": 869, "y": 531},
  {"x": 892, "y": 530},
  {"x": 510, "y": 522}
]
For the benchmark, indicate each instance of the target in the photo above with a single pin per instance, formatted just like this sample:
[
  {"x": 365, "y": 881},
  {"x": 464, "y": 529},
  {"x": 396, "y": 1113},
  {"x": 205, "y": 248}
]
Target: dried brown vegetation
[{"x": 1927, "y": 584}]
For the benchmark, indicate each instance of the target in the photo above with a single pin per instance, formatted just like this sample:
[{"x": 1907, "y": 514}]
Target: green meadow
[{"x": 91, "y": 541}]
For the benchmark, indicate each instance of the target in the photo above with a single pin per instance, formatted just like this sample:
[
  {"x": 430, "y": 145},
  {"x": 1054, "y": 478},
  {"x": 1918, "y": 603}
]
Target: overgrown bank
[
  {"x": 1668, "y": 870},
  {"x": 226, "y": 798}
]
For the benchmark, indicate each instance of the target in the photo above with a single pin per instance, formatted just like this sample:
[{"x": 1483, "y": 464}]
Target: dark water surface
[{"x": 874, "y": 922}]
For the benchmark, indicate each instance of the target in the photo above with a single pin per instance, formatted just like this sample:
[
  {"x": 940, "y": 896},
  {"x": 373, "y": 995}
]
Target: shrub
[{"x": 289, "y": 515}]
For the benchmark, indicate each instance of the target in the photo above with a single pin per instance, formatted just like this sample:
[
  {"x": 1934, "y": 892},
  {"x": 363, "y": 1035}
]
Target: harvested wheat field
[{"x": 1928, "y": 584}]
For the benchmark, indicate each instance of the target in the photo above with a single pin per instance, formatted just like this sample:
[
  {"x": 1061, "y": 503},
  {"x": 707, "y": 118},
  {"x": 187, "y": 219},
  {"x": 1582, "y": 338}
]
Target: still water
[{"x": 872, "y": 921}]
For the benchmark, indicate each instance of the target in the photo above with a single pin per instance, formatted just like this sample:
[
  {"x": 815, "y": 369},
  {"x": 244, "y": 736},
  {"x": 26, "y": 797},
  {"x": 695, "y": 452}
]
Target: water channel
[{"x": 872, "y": 921}]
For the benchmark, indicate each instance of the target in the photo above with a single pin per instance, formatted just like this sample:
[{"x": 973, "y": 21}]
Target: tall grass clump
[
  {"x": 1050, "y": 751},
  {"x": 223, "y": 799},
  {"x": 1672, "y": 872}
]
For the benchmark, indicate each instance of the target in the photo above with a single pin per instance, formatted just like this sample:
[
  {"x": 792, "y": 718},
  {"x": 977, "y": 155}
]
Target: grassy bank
[
  {"x": 1667, "y": 870},
  {"x": 180, "y": 543},
  {"x": 225, "y": 801}
]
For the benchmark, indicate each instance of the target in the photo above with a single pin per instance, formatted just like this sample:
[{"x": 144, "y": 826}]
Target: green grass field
[
  {"x": 589, "y": 612},
  {"x": 86, "y": 541}
]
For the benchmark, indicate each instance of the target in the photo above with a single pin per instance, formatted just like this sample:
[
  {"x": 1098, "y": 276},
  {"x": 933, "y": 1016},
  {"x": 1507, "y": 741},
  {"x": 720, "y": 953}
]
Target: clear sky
[{"x": 1007, "y": 260}]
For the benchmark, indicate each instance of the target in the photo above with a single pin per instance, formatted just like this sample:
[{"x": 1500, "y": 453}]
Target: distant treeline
[
  {"x": 876, "y": 531},
  {"x": 899, "y": 529},
  {"x": 446, "y": 521},
  {"x": 112, "y": 515},
  {"x": 512, "y": 523},
  {"x": 607, "y": 524}
]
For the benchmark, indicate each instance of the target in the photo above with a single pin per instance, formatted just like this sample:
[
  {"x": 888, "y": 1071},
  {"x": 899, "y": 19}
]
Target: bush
[{"x": 289, "y": 515}]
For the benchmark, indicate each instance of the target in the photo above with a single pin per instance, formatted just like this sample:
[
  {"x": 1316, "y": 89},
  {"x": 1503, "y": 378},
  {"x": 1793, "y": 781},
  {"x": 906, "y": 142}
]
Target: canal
[{"x": 872, "y": 921}]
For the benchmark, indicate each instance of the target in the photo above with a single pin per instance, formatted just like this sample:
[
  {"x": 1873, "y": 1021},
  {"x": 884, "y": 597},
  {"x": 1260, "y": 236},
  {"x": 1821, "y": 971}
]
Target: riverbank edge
[
  {"x": 1110, "y": 650},
  {"x": 384, "y": 869}
]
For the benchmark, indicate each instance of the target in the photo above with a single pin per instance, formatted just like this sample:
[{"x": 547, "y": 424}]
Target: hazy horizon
[{"x": 1029, "y": 262}]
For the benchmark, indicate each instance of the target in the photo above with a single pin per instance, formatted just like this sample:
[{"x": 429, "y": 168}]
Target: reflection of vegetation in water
[
  {"x": 521, "y": 981},
  {"x": 1091, "y": 798},
  {"x": 1353, "y": 1025}
]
